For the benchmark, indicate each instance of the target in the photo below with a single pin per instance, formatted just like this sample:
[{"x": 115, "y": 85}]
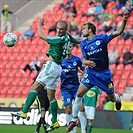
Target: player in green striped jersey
[{"x": 49, "y": 75}]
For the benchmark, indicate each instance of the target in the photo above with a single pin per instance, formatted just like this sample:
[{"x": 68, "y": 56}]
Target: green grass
[{"x": 30, "y": 129}]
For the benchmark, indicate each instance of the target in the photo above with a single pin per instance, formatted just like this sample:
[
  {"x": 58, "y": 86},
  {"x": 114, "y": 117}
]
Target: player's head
[
  {"x": 6, "y": 7},
  {"x": 70, "y": 49},
  {"x": 61, "y": 28},
  {"x": 88, "y": 28}
]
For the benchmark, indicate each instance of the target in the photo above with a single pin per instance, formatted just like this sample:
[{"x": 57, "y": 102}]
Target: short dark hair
[
  {"x": 63, "y": 22},
  {"x": 91, "y": 26}
]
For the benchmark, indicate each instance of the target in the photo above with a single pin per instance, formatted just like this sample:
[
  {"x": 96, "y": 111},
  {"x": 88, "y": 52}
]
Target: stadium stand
[{"x": 15, "y": 84}]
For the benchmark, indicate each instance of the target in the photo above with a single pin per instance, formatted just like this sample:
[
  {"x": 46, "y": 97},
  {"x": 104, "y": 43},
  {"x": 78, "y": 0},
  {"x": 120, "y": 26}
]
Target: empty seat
[
  {"x": 120, "y": 67},
  {"x": 128, "y": 67}
]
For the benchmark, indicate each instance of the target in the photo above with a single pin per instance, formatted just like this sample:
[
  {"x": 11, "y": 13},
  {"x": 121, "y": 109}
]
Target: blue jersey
[
  {"x": 96, "y": 50},
  {"x": 69, "y": 75}
]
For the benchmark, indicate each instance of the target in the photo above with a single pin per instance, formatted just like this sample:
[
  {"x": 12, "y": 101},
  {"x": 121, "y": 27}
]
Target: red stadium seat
[
  {"x": 113, "y": 66},
  {"x": 120, "y": 67},
  {"x": 122, "y": 83},
  {"x": 128, "y": 67},
  {"x": 121, "y": 42},
  {"x": 131, "y": 76},
  {"x": 128, "y": 42},
  {"x": 117, "y": 74},
  {"x": 116, "y": 82},
  {"x": 120, "y": 91},
  {"x": 125, "y": 74},
  {"x": 130, "y": 82}
]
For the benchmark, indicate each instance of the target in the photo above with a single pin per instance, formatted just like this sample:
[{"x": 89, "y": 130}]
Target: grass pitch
[{"x": 31, "y": 129}]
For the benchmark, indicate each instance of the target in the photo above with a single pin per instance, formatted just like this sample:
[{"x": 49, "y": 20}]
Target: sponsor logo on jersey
[
  {"x": 90, "y": 94},
  {"x": 94, "y": 52}
]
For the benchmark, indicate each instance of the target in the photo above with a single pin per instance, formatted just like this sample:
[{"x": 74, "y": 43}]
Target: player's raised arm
[
  {"x": 41, "y": 33},
  {"x": 122, "y": 27}
]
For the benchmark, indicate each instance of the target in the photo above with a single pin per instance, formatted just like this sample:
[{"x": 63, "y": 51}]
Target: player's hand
[
  {"x": 97, "y": 108},
  {"x": 126, "y": 16},
  {"x": 91, "y": 64},
  {"x": 41, "y": 21}
]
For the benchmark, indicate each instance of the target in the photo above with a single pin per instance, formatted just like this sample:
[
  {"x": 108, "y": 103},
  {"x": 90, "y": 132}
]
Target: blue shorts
[
  {"x": 102, "y": 79},
  {"x": 68, "y": 97}
]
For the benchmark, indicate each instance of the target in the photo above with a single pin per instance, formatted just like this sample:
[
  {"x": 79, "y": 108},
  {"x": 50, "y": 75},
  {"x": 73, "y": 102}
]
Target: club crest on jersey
[
  {"x": 98, "y": 43},
  {"x": 74, "y": 63}
]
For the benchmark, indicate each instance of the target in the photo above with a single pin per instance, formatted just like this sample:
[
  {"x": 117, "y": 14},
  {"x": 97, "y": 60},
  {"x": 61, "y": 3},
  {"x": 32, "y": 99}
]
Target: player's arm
[
  {"x": 123, "y": 25},
  {"x": 75, "y": 39},
  {"x": 89, "y": 63},
  {"x": 98, "y": 102},
  {"x": 79, "y": 39},
  {"x": 41, "y": 33}
]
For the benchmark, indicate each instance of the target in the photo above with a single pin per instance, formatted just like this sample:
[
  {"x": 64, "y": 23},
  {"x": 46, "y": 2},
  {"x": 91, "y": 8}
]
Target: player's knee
[
  {"x": 69, "y": 111},
  {"x": 79, "y": 95},
  {"x": 111, "y": 98}
]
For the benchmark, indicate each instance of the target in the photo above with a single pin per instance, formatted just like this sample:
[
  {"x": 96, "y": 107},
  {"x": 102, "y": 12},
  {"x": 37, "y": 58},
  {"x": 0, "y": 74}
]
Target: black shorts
[{"x": 43, "y": 102}]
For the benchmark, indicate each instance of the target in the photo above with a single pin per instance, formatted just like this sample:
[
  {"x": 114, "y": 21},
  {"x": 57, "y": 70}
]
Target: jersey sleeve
[
  {"x": 107, "y": 37},
  {"x": 82, "y": 46},
  {"x": 54, "y": 39},
  {"x": 81, "y": 65},
  {"x": 72, "y": 38}
]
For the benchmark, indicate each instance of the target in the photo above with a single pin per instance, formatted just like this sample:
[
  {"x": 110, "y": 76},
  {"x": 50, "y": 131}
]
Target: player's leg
[
  {"x": 90, "y": 114},
  {"x": 43, "y": 105},
  {"x": 82, "y": 118},
  {"x": 115, "y": 98},
  {"x": 41, "y": 121},
  {"x": 76, "y": 107},
  {"x": 68, "y": 110},
  {"x": 67, "y": 98},
  {"x": 29, "y": 100},
  {"x": 53, "y": 110},
  {"x": 104, "y": 81}
]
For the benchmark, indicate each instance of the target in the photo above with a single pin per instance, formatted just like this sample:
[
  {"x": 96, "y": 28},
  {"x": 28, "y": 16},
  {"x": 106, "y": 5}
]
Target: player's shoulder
[
  {"x": 83, "y": 42},
  {"x": 75, "y": 57},
  {"x": 104, "y": 35}
]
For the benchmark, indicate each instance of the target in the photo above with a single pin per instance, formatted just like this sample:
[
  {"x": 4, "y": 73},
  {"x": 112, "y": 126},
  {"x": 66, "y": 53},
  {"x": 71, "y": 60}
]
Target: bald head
[{"x": 61, "y": 28}]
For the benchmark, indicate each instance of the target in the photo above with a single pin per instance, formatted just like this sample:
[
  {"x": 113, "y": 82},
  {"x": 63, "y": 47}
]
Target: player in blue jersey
[
  {"x": 71, "y": 65},
  {"x": 95, "y": 56}
]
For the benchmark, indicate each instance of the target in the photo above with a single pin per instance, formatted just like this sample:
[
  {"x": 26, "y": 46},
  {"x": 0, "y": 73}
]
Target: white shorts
[
  {"x": 90, "y": 112},
  {"x": 49, "y": 75}
]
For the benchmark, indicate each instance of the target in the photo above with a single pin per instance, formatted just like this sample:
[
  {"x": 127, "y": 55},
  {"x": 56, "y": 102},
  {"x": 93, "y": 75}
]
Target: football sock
[
  {"x": 89, "y": 128},
  {"x": 77, "y": 105},
  {"x": 74, "y": 130},
  {"x": 43, "y": 123},
  {"x": 68, "y": 118},
  {"x": 30, "y": 99},
  {"x": 38, "y": 125},
  {"x": 83, "y": 121},
  {"x": 54, "y": 110},
  {"x": 117, "y": 98}
]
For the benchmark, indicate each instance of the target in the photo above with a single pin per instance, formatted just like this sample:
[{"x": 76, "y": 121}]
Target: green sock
[
  {"x": 89, "y": 128},
  {"x": 54, "y": 110},
  {"x": 30, "y": 99}
]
